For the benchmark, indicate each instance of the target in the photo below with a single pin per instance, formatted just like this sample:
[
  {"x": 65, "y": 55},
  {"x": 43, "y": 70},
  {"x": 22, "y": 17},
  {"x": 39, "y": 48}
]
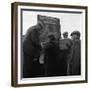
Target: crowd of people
[{"x": 55, "y": 57}]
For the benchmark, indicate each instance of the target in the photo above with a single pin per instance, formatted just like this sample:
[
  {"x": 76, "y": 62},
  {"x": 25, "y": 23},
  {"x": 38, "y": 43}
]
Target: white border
[{"x": 51, "y": 79}]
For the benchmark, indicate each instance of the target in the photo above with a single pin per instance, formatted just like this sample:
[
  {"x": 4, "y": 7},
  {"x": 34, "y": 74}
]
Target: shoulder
[
  {"x": 31, "y": 31},
  {"x": 68, "y": 40}
]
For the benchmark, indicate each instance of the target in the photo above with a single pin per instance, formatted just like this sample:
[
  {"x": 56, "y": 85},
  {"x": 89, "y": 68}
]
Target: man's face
[
  {"x": 65, "y": 36},
  {"x": 75, "y": 37}
]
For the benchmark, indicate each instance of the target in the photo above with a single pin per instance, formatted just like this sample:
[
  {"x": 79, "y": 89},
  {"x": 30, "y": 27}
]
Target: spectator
[
  {"x": 76, "y": 53},
  {"x": 65, "y": 48}
]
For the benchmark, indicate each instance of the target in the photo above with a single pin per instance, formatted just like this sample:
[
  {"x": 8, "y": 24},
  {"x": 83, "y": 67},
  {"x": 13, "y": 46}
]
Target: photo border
[{"x": 14, "y": 42}]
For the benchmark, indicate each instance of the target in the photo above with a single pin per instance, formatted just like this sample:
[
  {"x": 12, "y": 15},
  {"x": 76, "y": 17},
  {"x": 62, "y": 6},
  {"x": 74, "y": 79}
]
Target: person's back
[
  {"x": 31, "y": 51},
  {"x": 65, "y": 44}
]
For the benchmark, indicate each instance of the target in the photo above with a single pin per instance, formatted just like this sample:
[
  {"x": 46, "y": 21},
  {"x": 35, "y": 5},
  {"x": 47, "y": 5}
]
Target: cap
[{"x": 75, "y": 32}]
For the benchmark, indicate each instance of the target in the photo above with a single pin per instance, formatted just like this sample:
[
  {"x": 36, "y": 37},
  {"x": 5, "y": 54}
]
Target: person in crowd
[
  {"x": 31, "y": 51},
  {"x": 76, "y": 53},
  {"x": 65, "y": 57},
  {"x": 51, "y": 56}
]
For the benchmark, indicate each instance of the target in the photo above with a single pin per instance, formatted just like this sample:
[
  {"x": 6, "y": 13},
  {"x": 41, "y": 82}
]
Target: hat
[{"x": 75, "y": 32}]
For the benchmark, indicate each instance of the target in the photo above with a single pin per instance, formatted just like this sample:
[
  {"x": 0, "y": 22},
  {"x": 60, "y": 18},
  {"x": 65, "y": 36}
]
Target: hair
[{"x": 65, "y": 34}]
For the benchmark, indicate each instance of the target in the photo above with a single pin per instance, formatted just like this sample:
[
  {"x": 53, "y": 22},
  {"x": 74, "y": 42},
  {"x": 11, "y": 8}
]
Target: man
[
  {"x": 31, "y": 51},
  {"x": 51, "y": 56},
  {"x": 76, "y": 53},
  {"x": 65, "y": 47}
]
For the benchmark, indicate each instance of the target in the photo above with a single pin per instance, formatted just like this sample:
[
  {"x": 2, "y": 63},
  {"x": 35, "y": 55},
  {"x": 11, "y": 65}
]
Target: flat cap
[{"x": 75, "y": 32}]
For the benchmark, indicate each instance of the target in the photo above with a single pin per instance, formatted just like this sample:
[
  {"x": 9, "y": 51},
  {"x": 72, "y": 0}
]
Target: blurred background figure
[
  {"x": 65, "y": 42},
  {"x": 65, "y": 35},
  {"x": 65, "y": 57},
  {"x": 76, "y": 54}
]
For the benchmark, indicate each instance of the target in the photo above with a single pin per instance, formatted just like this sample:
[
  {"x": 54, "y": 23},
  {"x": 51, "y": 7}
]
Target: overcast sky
[{"x": 69, "y": 21}]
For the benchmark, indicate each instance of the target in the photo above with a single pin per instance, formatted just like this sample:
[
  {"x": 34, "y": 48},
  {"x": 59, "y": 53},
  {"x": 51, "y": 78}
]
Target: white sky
[{"x": 69, "y": 22}]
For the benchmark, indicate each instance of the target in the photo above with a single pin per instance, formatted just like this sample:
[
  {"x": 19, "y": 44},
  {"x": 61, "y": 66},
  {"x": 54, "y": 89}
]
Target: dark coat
[
  {"x": 65, "y": 57},
  {"x": 51, "y": 59},
  {"x": 31, "y": 51},
  {"x": 76, "y": 58}
]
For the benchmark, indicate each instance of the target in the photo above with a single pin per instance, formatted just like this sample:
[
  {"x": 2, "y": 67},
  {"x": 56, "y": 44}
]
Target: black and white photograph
[
  {"x": 50, "y": 43},
  {"x": 48, "y": 50}
]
